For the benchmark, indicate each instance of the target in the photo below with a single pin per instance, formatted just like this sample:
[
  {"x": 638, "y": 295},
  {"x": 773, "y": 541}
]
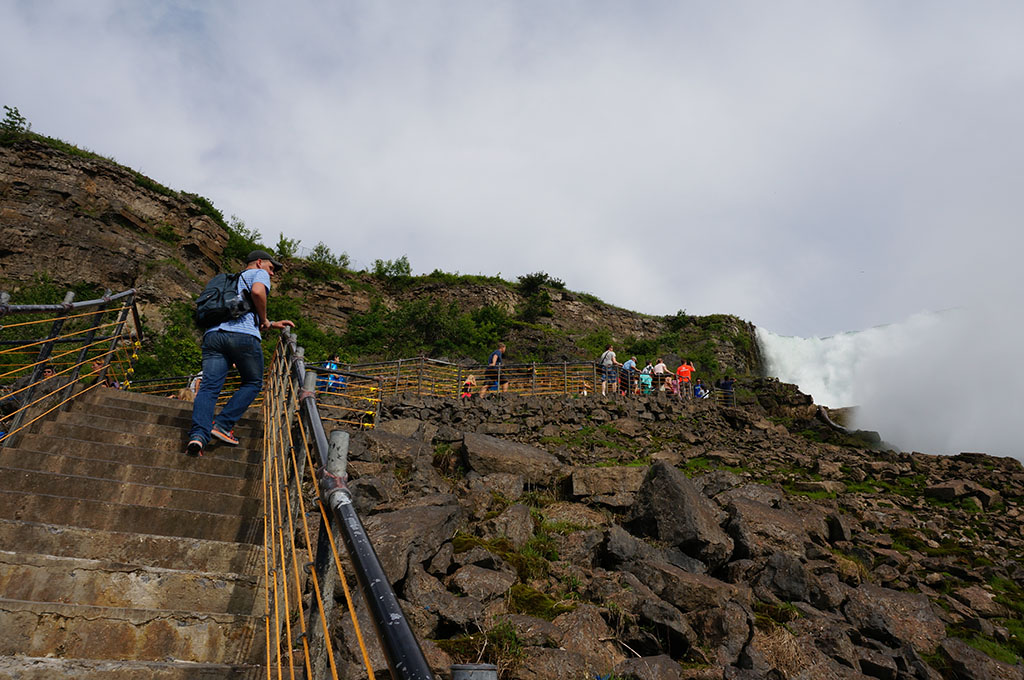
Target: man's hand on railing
[{"x": 276, "y": 325}]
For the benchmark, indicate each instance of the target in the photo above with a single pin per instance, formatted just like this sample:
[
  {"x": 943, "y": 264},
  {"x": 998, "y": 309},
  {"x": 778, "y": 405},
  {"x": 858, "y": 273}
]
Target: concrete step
[
  {"x": 70, "y": 580},
  {"x": 21, "y": 459},
  {"x": 42, "y": 668},
  {"x": 142, "y": 425},
  {"x": 94, "y": 514},
  {"x": 117, "y": 633},
  {"x": 245, "y": 427},
  {"x": 218, "y": 460},
  {"x": 126, "y": 493},
  {"x": 248, "y": 450},
  {"x": 149, "y": 403},
  {"x": 146, "y": 550}
]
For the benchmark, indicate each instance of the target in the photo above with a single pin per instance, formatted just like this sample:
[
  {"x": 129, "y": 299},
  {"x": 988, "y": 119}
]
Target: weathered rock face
[
  {"x": 86, "y": 220},
  {"x": 740, "y": 550}
]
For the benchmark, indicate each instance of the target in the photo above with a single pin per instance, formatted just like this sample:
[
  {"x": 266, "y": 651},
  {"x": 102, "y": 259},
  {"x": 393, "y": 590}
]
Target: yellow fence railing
[
  {"x": 53, "y": 354},
  {"x": 430, "y": 377},
  {"x": 302, "y": 561}
]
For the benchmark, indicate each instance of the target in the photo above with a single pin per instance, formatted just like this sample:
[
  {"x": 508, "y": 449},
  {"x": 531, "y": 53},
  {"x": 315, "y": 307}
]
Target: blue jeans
[{"x": 221, "y": 349}]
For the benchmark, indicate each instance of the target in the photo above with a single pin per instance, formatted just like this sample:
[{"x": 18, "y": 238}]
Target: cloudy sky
[{"x": 814, "y": 167}]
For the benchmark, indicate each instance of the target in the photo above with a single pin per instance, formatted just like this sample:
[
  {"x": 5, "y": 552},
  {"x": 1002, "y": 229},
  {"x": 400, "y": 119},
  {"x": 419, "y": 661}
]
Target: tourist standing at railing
[
  {"x": 660, "y": 371},
  {"x": 609, "y": 373},
  {"x": 699, "y": 390},
  {"x": 683, "y": 373},
  {"x": 234, "y": 342},
  {"x": 628, "y": 377},
  {"x": 727, "y": 385},
  {"x": 493, "y": 375}
]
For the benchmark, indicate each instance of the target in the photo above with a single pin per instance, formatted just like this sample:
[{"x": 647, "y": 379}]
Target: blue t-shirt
[
  {"x": 495, "y": 361},
  {"x": 629, "y": 366},
  {"x": 248, "y": 322}
]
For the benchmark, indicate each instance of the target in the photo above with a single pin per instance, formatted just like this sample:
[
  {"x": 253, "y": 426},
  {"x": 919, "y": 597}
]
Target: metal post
[
  {"x": 117, "y": 334},
  {"x": 326, "y": 571},
  {"x": 398, "y": 375},
  {"x": 37, "y": 371},
  {"x": 565, "y": 377},
  {"x": 533, "y": 378},
  {"x": 94, "y": 322}
]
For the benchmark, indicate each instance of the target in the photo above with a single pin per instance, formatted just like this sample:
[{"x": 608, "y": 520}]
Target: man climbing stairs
[{"x": 121, "y": 557}]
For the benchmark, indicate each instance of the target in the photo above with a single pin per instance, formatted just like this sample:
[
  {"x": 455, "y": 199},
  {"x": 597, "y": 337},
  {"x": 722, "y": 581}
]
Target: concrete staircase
[{"x": 120, "y": 556}]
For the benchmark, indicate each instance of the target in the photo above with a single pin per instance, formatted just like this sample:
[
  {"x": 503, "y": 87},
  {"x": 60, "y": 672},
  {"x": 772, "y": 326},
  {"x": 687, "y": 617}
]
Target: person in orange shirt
[{"x": 684, "y": 372}]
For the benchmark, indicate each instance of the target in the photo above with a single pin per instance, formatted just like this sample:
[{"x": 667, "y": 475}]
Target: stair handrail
[
  {"x": 83, "y": 342},
  {"x": 401, "y": 650}
]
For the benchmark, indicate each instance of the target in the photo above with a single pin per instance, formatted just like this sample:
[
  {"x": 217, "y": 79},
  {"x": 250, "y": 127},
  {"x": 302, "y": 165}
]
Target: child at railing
[{"x": 467, "y": 387}]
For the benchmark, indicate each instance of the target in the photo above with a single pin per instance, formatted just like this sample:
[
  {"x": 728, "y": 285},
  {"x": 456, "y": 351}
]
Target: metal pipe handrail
[
  {"x": 401, "y": 650},
  {"x": 6, "y": 309}
]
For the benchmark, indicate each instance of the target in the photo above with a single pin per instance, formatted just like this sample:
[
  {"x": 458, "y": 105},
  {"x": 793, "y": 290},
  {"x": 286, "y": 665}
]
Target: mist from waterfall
[{"x": 938, "y": 382}]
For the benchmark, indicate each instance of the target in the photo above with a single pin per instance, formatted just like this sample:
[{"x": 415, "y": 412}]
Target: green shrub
[
  {"x": 241, "y": 241},
  {"x": 286, "y": 247},
  {"x": 324, "y": 265},
  {"x": 390, "y": 269},
  {"x": 14, "y": 126}
]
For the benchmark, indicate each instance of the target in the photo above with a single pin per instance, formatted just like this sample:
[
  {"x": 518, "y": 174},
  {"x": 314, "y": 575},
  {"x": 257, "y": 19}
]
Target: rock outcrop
[{"x": 685, "y": 540}]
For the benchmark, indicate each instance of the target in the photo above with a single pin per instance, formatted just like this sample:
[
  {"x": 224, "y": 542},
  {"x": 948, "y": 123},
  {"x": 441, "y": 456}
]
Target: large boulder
[
  {"x": 615, "y": 486},
  {"x": 584, "y": 631},
  {"x": 482, "y": 584},
  {"x": 894, "y": 618},
  {"x": 661, "y": 667},
  {"x": 514, "y": 523},
  {"x": 968, "y": 663},
  {"x": 761, "y": 530},
  {"x": 670, "y": 507},
  {"x": 411, "y": 533},
  {"x": 542, "y": 663},
  {"x": 487, "y": 455}
]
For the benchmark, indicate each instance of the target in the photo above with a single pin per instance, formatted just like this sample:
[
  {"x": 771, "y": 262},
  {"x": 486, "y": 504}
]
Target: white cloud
[{"x": 812, "y": 167}]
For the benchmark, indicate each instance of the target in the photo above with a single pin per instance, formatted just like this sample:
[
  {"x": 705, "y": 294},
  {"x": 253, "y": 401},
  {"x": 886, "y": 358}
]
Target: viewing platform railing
[{"x": 431, "y": 377}]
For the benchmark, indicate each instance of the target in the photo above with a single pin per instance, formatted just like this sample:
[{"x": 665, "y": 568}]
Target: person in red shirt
[{"x": 684, "y": 372}]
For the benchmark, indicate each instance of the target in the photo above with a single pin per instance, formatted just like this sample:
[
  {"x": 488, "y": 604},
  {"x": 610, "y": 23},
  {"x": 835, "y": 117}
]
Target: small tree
[
  {"x": 390, "y": 269},
  {"x": 286, "y": 247},
  {"x": 325, "y": 265},
  {"x": 241, "y": 240},
  {"x": 14, "y": 126}
]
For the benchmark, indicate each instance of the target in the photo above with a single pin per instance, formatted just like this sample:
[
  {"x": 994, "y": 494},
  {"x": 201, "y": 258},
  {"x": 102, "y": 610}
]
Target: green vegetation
[
  {"x": 14, "y": 126},
  {"x": 392, "y": 269},
  {"x": 525, "y": 600},
  {"x": 538, "y": 300},
  {"x": 424, "y": 327},
  {"x": 241, "y": 239},
  {"x": 176, "y": 351},
  {"x": 500, "y": 646},
  {"x": 324, "y": 265},
  {"x": 286, "y": 247}
]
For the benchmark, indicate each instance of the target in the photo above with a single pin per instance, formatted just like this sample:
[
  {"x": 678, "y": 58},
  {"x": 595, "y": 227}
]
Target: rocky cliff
[
  {"x": 657, "y": 539},
  {"x": 79, "y": 218}
]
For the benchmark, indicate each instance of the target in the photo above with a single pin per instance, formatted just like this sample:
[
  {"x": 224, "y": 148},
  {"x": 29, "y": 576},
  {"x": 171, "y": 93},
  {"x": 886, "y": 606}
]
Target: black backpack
[{"x": 220, "y": 301}]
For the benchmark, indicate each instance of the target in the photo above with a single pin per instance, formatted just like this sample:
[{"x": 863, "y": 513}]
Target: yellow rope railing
[
  {"x": 283, "y": 558},
  {"x": 25, "y": 402}
]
